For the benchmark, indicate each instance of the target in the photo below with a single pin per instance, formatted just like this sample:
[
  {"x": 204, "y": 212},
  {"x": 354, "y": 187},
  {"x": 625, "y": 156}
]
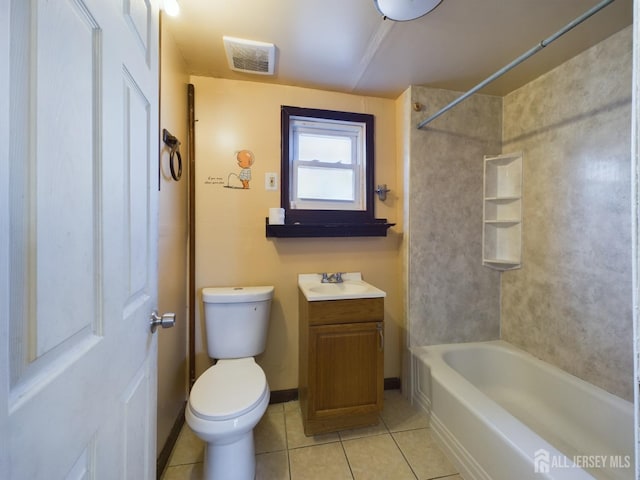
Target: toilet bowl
[
  {"x": 226, "y": 403},
  {"x": 228, "y": 400}
]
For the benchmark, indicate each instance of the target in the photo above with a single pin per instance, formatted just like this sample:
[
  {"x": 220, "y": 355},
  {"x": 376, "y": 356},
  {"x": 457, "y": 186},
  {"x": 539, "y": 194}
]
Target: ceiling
[{"x": 346, "y": 45}]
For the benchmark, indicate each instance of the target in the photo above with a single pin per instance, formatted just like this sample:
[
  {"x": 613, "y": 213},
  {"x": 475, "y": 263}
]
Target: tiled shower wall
[
  {"x": 570, "y": 303},
  {"x": 452, "y": 298}
]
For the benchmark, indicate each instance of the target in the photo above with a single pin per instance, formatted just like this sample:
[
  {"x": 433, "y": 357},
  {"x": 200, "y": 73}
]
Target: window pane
[
  {"x": 326, "y": 148},
  {"x": 327, "y": 165},
  {"x": 325, "y": 184}
]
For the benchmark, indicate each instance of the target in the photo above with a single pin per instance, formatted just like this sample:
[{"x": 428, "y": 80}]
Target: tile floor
[{"x": 399, "y": 447}]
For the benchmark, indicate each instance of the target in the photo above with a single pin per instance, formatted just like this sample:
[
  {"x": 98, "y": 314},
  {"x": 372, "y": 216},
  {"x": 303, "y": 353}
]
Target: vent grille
[{"x": 249, "y": 56}]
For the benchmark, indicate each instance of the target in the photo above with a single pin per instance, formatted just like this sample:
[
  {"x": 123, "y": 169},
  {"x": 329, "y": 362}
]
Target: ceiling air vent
[{"x": 248, "y": 56}]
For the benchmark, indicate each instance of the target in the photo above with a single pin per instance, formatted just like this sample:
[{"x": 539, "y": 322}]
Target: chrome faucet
[{"x": 331, "y": 278}]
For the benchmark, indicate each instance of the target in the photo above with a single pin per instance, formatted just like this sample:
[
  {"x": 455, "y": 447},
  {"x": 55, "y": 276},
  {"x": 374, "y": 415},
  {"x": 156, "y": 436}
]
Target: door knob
[{"x": 167, "y": 320}]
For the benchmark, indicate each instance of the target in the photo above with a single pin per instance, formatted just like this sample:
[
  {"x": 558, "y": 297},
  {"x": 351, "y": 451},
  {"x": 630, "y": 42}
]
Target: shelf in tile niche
[
  {"x": 502, "y": 199},
  {"x": 502, "y": 212},
  {"x": 501, "y": 264},
  {"x": 297, "y": 230},
  {"x": 502, "y": 223}
]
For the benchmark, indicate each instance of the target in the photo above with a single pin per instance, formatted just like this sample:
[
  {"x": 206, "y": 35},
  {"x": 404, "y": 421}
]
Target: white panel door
[{"x": 78, "y": 251}]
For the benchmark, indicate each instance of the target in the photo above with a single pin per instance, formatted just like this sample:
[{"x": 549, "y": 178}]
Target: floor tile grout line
[
  {"x": 404, "y": 457},
  {"x": 313, "y": 445},
  {"x": 410, "y": 429},
  {"x": 430, "y": 478},
  {"x": 286, "y": 440},
  {"x": 347, "y": 459},
  {"x": 366, "y": 436},
  {"x": 384, "y": 423},
  {"x": 270, "y": 451}
]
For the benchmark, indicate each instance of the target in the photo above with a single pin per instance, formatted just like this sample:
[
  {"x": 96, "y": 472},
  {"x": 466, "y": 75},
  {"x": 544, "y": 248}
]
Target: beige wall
[
  {"x": 172, "y": 244},
  {"x": 231, "y": 247},
  {"x": 571, "y": 303}
]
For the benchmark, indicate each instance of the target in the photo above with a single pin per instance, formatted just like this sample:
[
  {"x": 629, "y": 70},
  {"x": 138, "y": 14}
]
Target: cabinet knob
[{"x": 381, "y": 335}]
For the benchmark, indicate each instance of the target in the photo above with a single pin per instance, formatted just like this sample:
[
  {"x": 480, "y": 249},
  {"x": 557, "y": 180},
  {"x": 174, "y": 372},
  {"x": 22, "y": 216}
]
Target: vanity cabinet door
[{"x": 345, "y": 374}]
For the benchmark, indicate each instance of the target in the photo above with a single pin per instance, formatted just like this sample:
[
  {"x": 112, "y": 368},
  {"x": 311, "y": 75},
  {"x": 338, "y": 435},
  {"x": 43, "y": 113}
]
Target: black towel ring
[
  {"x": 176, "y": 176},
  {"x": 174, "y": 145}
]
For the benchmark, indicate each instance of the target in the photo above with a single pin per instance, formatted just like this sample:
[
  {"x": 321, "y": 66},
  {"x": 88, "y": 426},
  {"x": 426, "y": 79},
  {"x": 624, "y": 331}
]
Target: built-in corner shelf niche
[{"x": 502, "y": 212}]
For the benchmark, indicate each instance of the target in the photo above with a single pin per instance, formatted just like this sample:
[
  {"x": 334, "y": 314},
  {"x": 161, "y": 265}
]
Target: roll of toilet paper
[{"x": 276, "y": 216}]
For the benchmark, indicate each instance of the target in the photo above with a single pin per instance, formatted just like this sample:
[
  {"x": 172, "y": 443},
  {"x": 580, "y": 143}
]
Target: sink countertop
[{"x": 352, "y": 287}]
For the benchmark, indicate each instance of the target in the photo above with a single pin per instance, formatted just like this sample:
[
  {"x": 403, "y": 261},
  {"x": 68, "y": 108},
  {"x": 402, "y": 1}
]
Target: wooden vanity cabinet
[{"x": 341, "y": 363}]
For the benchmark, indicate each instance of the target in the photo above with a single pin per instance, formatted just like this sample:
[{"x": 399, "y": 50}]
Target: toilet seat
[{"x": 228, "y": 389}]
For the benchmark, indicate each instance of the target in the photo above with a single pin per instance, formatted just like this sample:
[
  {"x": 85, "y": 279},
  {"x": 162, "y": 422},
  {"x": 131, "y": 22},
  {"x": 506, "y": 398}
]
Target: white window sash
[{"x": 357, "y": 134}]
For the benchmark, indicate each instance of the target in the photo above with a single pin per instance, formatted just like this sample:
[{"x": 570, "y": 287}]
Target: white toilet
[{"x": 228, "y": 400}]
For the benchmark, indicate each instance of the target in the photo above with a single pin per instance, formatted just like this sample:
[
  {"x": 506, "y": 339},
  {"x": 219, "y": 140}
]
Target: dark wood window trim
[
  {"x": 293, "y": 216},
  {"x": 327, "y": 223}
]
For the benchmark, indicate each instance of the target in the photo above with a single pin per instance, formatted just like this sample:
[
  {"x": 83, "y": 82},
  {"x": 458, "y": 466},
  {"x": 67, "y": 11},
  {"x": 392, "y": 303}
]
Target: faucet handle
[
  {"x": 325, "y": 277},
  {"x": 338, "y": 276}
]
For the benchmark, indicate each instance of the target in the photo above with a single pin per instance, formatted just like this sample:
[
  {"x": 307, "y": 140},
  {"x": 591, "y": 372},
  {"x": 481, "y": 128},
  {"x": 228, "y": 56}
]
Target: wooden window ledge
[{"x": 298, "y": 230}]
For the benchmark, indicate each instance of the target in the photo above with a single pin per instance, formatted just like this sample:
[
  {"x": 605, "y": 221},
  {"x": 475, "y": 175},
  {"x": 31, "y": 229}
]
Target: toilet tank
[{"x": 236, "y": 320}]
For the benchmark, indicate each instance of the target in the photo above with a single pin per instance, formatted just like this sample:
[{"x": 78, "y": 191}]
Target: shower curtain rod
[{"x": 519, "y": 60}]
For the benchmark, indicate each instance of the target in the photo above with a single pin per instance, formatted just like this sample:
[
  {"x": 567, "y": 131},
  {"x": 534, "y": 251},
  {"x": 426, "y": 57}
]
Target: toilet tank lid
[{"x": 236, "y": 294}]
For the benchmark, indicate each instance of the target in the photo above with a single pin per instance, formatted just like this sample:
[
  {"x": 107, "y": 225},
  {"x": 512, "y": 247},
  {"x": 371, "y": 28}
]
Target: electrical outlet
[{"x": 271, "y": 181}]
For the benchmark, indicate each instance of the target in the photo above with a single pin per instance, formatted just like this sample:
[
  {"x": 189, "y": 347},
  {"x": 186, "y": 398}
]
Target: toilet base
[
  {"x": 230, "y": 452},
  {"x": 231, "y": 461}
]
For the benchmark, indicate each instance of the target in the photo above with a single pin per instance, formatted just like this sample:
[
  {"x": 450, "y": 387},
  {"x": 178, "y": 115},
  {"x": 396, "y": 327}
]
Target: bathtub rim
[{"x": 514, "y": 350}]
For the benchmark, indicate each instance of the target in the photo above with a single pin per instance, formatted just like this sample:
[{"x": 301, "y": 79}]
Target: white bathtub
[{"x": 502, "y": 414}]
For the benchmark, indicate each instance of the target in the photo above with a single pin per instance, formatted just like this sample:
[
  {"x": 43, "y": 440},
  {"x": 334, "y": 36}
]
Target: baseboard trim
[
  {"x": 392, "y": 383},
  {"x": 283, "y": 396},
  {"x": 165, "y": 453}
]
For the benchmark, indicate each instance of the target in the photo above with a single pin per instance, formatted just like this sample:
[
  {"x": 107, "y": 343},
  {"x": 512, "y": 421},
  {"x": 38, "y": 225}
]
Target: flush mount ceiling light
[
  {"x": 171, "y": 7},
  {"x": 403, "y": 10}
]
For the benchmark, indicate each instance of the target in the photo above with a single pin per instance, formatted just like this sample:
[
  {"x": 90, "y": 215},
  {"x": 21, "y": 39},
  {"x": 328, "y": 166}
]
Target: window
[{"x": 327, "y": 166}]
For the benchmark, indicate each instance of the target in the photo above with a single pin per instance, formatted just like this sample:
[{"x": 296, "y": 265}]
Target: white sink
[
  {"x": 344, "y": 288},
  {"x": 352, "y": 286}
]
